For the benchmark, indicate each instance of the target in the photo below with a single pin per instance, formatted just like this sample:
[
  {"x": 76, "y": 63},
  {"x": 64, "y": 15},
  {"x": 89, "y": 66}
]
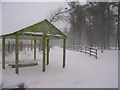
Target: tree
[
  {"x": 118, "y": 26},
  {"x": 59, "y": 14},
  {"x": 94, "y": 23}
]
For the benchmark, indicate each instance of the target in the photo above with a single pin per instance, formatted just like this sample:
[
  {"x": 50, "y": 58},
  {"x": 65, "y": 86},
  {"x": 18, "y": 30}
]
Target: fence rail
[
  {"x": 92, "y": 51},
  {"x": 89, "y": 50}
]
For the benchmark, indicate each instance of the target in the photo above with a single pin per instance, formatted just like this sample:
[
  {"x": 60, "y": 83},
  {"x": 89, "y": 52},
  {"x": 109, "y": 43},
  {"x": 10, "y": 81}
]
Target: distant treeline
[{"x": 94, "y": 24}]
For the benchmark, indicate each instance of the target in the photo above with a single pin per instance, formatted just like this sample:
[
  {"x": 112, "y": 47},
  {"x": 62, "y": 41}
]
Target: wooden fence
[{"x": 89, "y": 50}]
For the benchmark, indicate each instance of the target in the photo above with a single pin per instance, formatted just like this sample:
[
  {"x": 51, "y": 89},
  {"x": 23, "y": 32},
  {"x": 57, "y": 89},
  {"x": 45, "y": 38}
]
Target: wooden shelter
[{"x": 40, "y": 31}]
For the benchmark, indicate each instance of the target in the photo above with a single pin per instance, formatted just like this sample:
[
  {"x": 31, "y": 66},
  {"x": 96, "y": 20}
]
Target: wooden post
[
  {"x": 31, "y": 45},
  {"x": 34, "y": 49},
  {"x": 44, "y": 47},
  {"x": 90, "y": 51},
  {"x": 85, "y": 49},
  {"x": 48, "y": 51},
  {"x": 64, "y": 52},
  {"x": 3, "y": 52},
  {"x": 8, "y": 46},
  {"x": 16, "y": 55},
  {"x": 80, "y": 49},
  {"x": 96, "y": 53}
]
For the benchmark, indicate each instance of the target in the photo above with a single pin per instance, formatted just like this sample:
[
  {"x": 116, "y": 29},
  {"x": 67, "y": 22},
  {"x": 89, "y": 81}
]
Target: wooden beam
[
  {"x": 48, "y": 48},
  {"x": 34, "y": 49},
  {"x": 31, "y": 45},
  {"x": 34, "y": 37},
  {"x": 16, "y": 55},
  {"x": 3, "y": 52},
  {"x": 64, "y": 52},
  {"x": 26, "y": 37},
  {"x": 44, "y": 47}
]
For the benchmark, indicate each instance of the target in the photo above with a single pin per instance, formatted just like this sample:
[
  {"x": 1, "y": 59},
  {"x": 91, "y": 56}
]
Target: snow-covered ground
[
  {"x": 81, "y": 71},
  {"x": 0, "y": 70}
]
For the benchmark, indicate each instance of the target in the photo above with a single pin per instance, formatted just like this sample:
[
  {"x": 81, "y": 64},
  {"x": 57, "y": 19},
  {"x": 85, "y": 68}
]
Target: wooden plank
[
  {"x": 34, "y": 49},
  {"x": 44, "y": 47},
  {"x": 52, "y": 26},
  {"x": 92, "y": 54},
  {"x": 26, "y": 37},
  {"x": 3, "y": 52},
  {"x": 34, "y": 37},
  {"x": 16, "y": 55},
  {"x": 24, "y": 65},
  {"x": 31, "y": 45},
  {"x": 48, "y": 48},
  {"x": 91, "y": 47},
  {"x": 93, "y": 51}
]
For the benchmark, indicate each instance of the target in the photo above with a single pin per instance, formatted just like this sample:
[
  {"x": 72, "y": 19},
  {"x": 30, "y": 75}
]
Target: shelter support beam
[
  {"x": 34, "y": 49},
  {"x": 16, "y": 55},
  {"x": 31, "y": 45},
  {"x": 3, "y": 52},
  {"x": 48, "y": 48},
  {"x": 44, "y": 50},
  {"x": 64, "y": 52}
]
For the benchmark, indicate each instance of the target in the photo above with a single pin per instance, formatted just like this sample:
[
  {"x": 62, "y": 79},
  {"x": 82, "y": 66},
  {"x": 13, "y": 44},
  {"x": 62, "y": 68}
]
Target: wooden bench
[{"x": 24, "y": 63}]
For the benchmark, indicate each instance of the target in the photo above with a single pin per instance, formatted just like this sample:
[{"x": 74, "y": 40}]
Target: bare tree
[{"x": 59, "y": 14}]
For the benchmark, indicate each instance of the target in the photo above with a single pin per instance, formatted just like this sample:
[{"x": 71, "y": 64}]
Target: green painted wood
[
  {"x": 45, "y": 50},
  {"x": 26, "y": 34},
  {"x": 16, "y": 54},
  {"x": 48, "y": 37},
  {"x": 34, "y": 49},
  {"x": 55, "y": 28},
  {"x": 42, "y": 27},
  {"x": 64, "y": 52},
  {"x": 3, "y": 52},
  {"x": 44, "y": 47},
  {"x": 31, "y": 45},
  {"x": 48, "y": 51},
  {"x": 31, "y": 42}
]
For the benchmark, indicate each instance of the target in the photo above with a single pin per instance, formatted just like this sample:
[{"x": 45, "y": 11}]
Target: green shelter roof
[{"x": 35, "y": 31}]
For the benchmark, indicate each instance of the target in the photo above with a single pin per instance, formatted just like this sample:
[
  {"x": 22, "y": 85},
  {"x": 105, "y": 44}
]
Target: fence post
[
  {"x": 85, "y": 49},
  {"x": 96, "y": 53},
  {"x": 90, "y": 51},
  {"x": 80, "y": 49}
]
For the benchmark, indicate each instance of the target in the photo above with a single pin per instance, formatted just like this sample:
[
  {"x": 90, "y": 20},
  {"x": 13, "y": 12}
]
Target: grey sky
[
  {"x": 18, "y": 15},
  {"x": 0, "y": 17}
]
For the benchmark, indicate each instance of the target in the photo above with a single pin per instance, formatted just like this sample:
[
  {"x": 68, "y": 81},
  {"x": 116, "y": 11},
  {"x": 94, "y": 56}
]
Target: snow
[
  {"x": 22, "y": 62},
  {"x": 0, "y": 70},
  {"x": 41, "y": 34},
  {"x": 33, "y": 33},
  {"x": 81, "y": 71}
]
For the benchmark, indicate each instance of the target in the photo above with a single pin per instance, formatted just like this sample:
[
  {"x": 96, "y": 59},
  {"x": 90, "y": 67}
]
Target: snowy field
[{"x": 81, "y": 71}]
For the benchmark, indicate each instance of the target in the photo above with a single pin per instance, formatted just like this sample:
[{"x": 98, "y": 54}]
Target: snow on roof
[
  {"x": 41, "y": 28},
  {"x": 38, "y": 33}
]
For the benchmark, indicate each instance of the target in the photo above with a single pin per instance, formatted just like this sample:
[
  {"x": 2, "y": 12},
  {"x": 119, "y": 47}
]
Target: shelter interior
[{"x": 44, "y": 31}]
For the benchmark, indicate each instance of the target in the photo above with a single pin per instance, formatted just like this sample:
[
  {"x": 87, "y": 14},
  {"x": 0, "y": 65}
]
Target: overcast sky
[
  {"x": 0, "y": 17},
  {"x": 18, "y": 15}
]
